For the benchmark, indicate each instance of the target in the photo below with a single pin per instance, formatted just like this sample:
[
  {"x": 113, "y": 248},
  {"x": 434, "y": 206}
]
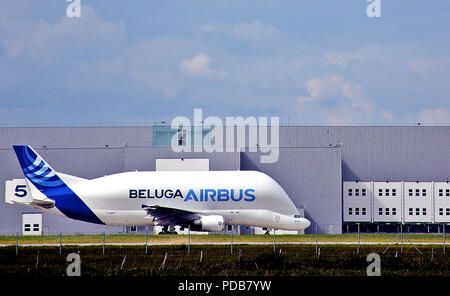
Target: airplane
[{"x": 197, "y": 200}]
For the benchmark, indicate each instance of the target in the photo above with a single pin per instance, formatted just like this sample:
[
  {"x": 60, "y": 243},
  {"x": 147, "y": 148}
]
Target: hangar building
[{"x": 336, "y": 175}]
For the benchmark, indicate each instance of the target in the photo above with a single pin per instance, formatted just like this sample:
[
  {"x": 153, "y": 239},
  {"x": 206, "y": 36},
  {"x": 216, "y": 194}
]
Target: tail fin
[
  {"x": 45, "y": 183},
  {"x": 36, "y": 169}
]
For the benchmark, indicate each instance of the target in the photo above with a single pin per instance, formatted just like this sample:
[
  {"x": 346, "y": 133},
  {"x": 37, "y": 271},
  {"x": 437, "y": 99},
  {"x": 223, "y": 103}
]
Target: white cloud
[
  {"x": 335, "y": 86},
  {"x": 47, "y": 42},
  {"x": 434, "y": 116},
  {"x": 387, "y": 115},
  {"x": 199, "y": 65},
  {"x": 355, "y": 93},
  {"x": 319, "y": 88},
  {"x": 343, "y": 59},
  {"x": 335, "y": 99},
  {"x": 255, "y": 32}
]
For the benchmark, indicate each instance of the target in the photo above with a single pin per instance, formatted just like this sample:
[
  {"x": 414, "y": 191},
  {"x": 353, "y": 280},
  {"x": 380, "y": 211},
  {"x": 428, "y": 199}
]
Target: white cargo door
[{"x": 182, "y": 164}]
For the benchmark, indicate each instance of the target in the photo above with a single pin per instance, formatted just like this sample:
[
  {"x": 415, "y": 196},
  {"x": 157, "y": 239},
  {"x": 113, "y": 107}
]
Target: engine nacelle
[{"x": 208, "y": 223}]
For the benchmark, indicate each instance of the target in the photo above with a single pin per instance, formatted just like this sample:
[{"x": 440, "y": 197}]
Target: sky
[{"x": 144, "y": 62}]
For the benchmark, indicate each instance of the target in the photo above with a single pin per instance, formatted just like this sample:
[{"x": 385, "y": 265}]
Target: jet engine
[{"x": 208, "y": 223}]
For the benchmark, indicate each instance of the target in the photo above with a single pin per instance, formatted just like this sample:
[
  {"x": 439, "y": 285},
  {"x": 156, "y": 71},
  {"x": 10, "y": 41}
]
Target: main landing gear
[
  {"x": 166, "y": 230},
  {"x": 267, "y": 231}
]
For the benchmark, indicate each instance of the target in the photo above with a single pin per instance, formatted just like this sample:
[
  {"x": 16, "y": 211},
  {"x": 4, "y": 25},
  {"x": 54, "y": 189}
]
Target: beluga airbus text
[{"x": 200, "y": 200}]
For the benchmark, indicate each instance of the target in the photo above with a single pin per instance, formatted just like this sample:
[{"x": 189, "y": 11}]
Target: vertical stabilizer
[{"x": 46, "y": 183}]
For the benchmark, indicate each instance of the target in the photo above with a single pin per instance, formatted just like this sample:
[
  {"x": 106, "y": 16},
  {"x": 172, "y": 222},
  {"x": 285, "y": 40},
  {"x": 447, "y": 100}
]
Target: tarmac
[{"x": 220, "y": 243}]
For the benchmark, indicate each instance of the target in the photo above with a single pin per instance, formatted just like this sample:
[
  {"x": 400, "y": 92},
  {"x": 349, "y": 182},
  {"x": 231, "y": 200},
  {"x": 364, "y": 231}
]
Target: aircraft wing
[{"x": 170, "y": 216}]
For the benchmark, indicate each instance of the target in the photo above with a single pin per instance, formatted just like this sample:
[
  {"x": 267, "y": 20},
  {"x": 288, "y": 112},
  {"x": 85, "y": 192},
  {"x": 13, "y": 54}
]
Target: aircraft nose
[{"x": 305, "y": 223}]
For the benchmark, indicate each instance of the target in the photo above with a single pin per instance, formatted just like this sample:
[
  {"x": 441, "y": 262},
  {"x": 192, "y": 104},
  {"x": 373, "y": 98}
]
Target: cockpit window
[{"x": 297, "y": 216}]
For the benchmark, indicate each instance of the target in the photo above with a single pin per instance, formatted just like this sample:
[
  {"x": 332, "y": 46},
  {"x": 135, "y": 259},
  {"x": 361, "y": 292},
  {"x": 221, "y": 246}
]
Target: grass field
[
  {"x": 246, "y": 260},
  {"x": 76, "y": 239}
]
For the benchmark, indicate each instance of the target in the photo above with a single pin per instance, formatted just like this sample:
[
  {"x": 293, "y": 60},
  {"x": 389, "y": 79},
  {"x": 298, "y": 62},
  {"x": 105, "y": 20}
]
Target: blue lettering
[
  {"x": 213, "y": 194},
  {"x": 251, "y": 196},
  {"x": 142, "y": 193},
  {"x": 133, "y": 193},
  {"x": 191, "y": 195},
  {"x": 233, "y": 197},
  {"x": 156, "y": 193},
  {"x": 178, "y": 193},
  {"x": 222, "y": 195}
]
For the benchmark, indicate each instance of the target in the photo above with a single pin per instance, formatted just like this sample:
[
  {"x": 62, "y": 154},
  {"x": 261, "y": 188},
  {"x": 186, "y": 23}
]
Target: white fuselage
[{"x": 241, "y": 197}]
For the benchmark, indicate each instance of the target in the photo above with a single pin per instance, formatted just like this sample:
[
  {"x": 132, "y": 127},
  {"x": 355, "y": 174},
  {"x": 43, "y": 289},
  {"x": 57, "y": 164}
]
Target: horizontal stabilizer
[{"x": 17, "y": 191}]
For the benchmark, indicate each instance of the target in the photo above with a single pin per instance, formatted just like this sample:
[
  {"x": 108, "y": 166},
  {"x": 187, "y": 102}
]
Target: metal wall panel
[
  {"x": 418, "y": 201},
  {"x": 380, "y": 153},
  {"x": 441, "y": 202},
  {"x": 77, "y": 137},
  {"x": 144, "y": 159},
  {"x": 396, "y": 153},
  {"x": 357, "y": 201},
  {"x": 388, "y": 202}
]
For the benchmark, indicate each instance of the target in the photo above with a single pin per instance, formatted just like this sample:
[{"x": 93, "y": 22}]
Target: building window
[
  {"x": 27, "y": 227},
  {"x": 387, "y": 211},
  {"x": 182, "y": 137},
  {"x": 447, "y": 212},
  {"x": 424, "y": 192},
  {"x": 387, "y": 192},
  {"x": 162, "y": 135},
  {"x": 424, "y": 211},
  {"x": 350, "y": 193},
  {"x": 417, "y": 192},
  {"x": 363, "y": 192},
  {"x": 410, "y": 211},
  {"x": 394, "y": 211},
  {"x": 441, "y": 192},
  {"x": 410, "y": 191},
  {"x": 394, "y": 192},
  {"x": 356, "y": 192},
  {"x": 417, "y": 211},
  {"x": 35, "y": 227},
  {"x": 380, "y": 211},
  {"x": 356, "y": 211},
  {"x": 363, "y": 211},
  {"x": 380, "y": 192},
  {"x": 350, "y": 210},
  {"x": 441, "y": 211}
]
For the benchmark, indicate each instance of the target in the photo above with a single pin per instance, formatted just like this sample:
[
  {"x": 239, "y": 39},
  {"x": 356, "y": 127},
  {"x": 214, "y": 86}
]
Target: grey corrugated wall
[
  {"x": 377, "y": 153},
  {"x": 312, "y": 179},
  {"x": 380, "y": 153}
]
